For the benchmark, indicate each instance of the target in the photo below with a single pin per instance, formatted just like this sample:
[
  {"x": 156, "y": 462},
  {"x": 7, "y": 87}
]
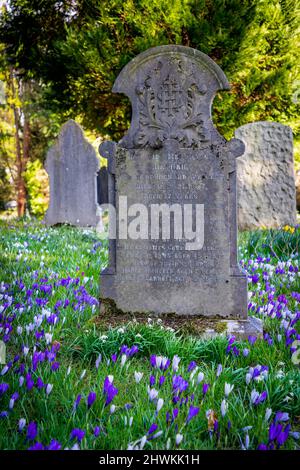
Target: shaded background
[{"x": 59, "y": 60}]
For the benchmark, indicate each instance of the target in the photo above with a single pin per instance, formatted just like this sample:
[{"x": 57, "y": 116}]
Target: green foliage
[
  {"x": 36, "y": 180},
  {"x": 77, "y": 51},
  {"x": 33, "y": 255},
  {"x": 282, "y": 244}
]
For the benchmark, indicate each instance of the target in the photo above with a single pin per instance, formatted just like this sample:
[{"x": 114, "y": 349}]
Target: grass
[{"x": 49, "y": 323}]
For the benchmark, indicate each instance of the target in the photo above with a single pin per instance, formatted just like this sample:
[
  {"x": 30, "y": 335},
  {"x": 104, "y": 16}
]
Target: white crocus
[
  {"x": 138, "y": 376},
  {"x": 175, "y": 363},
  {"x": 200, "y": 377},
  {"x": 49, "y": 389},
  {"x": 224, "y": 407},
  {"x": 152, "y": 394},
  {"x": 160, "y": 404},
  {"x": 228, "y": 389},
  {"x": 268, "y": 414},
  {"x": 123, "y": 359}
]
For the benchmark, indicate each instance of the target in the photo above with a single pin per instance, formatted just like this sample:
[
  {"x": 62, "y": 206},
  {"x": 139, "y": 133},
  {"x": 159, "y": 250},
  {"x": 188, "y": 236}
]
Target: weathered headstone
[
  {"x": 265, "y": 176},
  {"x": 102, "y": 186},
  {"x": 72, "y": 167},
  {"x": 172, "y": 154},
  {"x": 298, "y": 189}
]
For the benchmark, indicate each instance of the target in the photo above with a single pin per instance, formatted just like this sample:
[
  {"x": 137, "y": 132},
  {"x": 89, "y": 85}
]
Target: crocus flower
[
  {"x": 152, "y": 380},
  {"x": 228, "y": 389},
  {"x": 252, "y": 339},
  {"x": 98, "y": 361},
  {"x": 161, "y": 380},
  {"x": 193, "y": 411},
  {"x": 37, "y": 446},
  {"x": 31, "y": 431},
  {"x": 178, "y": 439},
  {"x": 91, "y": 398},
  {"x": 77, "y": 434},
  {"x": 3, "y": 388},
  {"x": 109, "y": 390},
  {"x": 13, "y": 399},
  {"x": 200, "y": 377},
  {"x": 246, "y": 352},
  {"x": 22, "y": 424},
  {"x": 152, "y": 428},
  {"x": 49, "y": 388},
  {"x": 282, "y": 416},
  {"x": 192, "y": 366},
  {"x": 224, "y": 408},
  {"x": 123, "y": 359},
  {"x": 152, "y": 393},
  {"x": 76, "y": 403},
  {"x": 138, "y": 376},
  {"x": 54, "y": 445},
  {"x": 175, "y": 363},
  {"x": 96, "y": 431},
  {"x": 160, "y": 403},
  {"x": 268, "y": 414},
  {"x": 219, "y": 370},
  {"x": 112, "y": 409},
  {"x": 205, "y": 388}
]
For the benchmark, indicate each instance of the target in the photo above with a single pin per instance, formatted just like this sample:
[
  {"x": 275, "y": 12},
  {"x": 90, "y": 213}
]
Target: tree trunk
[{"x": 22, "y": 155}]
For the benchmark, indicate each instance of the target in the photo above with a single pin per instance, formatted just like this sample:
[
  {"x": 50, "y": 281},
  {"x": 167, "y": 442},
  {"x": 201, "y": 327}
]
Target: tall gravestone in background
[
  {"x": 265, "y": 175},
  {"x": 72, "y": 167},
  {"x": 172, "y": 154}
]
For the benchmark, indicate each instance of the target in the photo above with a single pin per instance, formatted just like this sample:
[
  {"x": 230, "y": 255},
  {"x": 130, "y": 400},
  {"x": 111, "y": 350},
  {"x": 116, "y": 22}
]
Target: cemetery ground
[{"x": 74, "y": 379}]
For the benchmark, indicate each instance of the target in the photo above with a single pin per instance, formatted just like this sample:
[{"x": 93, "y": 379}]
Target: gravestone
[
  {"x": 102, "y": 186},
  {"x": 72, "y": 166},
  {"x": 298, "y": 189},
  {"x": 173, "y": 155},
  {"x": 265, "y": 176}
]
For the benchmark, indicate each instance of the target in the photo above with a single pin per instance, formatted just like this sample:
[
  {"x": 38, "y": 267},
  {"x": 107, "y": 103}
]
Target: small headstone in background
[
  {"x": 298, "y": 189},
  {"x": 265, "y": 176},
  {"x": 172, "y": 154},
  {"x": 102, "y": 186},
  {"x": 72, "y": 167}
]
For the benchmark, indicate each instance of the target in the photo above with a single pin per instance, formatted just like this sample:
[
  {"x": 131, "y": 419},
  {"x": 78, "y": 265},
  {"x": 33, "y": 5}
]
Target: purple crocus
[
  {"x": 37, "y": 446},
  {"x": 3, "y": 388},
  {"x": 192, "y": 366},
  {"x": 109, "y": 390},
  {"x": 193, "y": 411},
  {"x": 31, "y": 431},
  {"x": 91, "y": 398},
  {"x": 78, "y": 434},
  {"x": 252, "y": 339},
  {"x": 54, "y": 445},
  {"x": 152, "y": 380},
  {"x": 76, "y": 403},
  {"x": 152, "y": 428},
  {"x": 205, "y": 388},
  {"x": 161, "y": 380}
]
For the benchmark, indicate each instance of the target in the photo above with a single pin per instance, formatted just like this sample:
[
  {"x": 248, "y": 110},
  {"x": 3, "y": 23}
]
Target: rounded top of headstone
[
  {"x": 171, "y": 89},
  {"x": 264, "y": 125},
  {"x": 203, "y": 60}
]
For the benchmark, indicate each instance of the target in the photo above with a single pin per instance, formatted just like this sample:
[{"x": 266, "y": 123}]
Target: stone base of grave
[
  {"x": 241, "y": 329},
  {"x": 195, "y": 325}
]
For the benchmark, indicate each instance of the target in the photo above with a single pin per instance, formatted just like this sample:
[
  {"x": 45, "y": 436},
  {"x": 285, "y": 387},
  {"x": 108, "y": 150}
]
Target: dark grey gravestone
[
  {"x": 102, "y": 186},
  {"x": 172, "y": 154},
  {"x": 265, "y": 176},
  {"x": 72, "y": 167}
]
